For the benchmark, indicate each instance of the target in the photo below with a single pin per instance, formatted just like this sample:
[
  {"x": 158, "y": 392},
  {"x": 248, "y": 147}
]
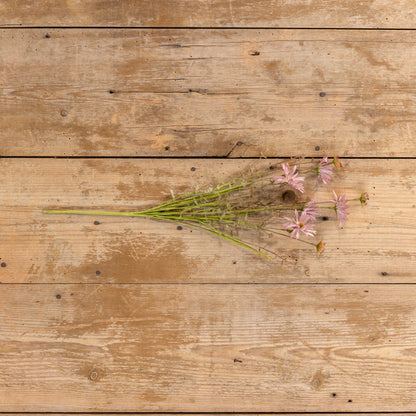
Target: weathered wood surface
[
  {"x": 212, "y": 13},
  {"x": 207, "y": 93},
  {"x": 376, "y": 245},
  {"x": 207, "y": 348},
  {"x": 101, "y": 314}
]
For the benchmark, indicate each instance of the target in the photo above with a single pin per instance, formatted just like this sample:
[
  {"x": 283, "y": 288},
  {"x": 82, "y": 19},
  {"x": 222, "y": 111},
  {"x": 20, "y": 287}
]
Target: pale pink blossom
[
  {"x": 311, "y": 209},
  {"x": 300, "y": 224},
  {"x": 290, "y": 177},
  {"x": 340, "y": 207},
  {"x": 325, "y": 170}
]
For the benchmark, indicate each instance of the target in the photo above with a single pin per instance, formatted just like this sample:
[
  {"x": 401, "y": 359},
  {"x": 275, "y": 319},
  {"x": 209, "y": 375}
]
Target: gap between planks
[
  {"x": 208, "y": 157},
  {"x": 265, "y": 28}
]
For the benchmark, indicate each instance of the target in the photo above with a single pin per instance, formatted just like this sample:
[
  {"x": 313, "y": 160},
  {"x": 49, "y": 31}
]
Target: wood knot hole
[
  {"x": 93, "y": 375},
  {"x": 288, "y": 196}
]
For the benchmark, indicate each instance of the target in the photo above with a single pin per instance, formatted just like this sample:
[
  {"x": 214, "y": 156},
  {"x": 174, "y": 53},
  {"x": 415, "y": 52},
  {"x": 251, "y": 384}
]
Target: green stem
[
  {"x": 80, "y": 212},
  {"x": 229, "y": 237},
  {"x": 184, "y": 220},
  {"x": 269, "y": 230}
]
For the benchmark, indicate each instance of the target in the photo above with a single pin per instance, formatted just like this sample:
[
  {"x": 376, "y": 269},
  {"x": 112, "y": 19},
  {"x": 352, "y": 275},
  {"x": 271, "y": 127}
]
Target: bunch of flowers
[{"x": 250, "y": 203}]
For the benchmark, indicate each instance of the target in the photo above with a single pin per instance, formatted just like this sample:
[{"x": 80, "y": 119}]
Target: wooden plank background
[
  {"x": 377, "y": 244},
  {"x": 112, "y": 105},
  {"x": 236, "y": 93},
  {"x": 211, "y": 13},
  {"x": 153, "y": 347}
]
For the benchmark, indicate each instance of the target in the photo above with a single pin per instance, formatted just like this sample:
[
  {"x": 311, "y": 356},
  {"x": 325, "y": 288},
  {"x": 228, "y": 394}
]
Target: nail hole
[
  {"x": 97, "y": 223},
  {"x": 384, "y": 273},
  {"x": 64, "y": 113},
  {"x": 47, "y": 36},
  {"x": 179, "y": 227},
  {"x": 322, "y": 94},
  {"x": 111, "y": 92},
  {"x": 3, "y": 264},
  {"x": 325, "y": 218},
  {"x": 334, "y": 395},
  {"x": 58, "y": 296},
  {"x": 349, "y": 401},
  {"x": 240, "y": 143},
  {"x": 254, "y": 53},
  {"x": 167, "y": 147},
  {"x": 193, "y": 169},
  {"x": 317, "y": 148},
  {"x": 97, "y": 272}
]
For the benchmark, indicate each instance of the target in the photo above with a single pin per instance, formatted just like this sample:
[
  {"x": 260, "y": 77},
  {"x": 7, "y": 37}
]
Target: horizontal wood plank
[
  {"x": 235, "y": 93},
  {"x": 210, "y": 348},
  {"x": 376, "y": 245},
  {"x": 211, "y": 13}
]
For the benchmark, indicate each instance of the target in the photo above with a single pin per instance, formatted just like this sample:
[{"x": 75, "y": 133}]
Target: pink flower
[
  {"x": 290, "y": 177},
  {"x": 325, "y": 170},
  {"x": 341, "y": 207},
  {"x": 311, "y": 209},
  {"x": 300, "y": 224}
]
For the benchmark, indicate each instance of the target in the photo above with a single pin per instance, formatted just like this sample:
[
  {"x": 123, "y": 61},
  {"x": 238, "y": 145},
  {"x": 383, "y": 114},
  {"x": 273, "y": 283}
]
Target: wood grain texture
[
  {"x": 376, "y": 245},
  {"x": 207, "y": 348},
  {"x": 235, "y": 93},
  {"x": 211, "y": 13}
]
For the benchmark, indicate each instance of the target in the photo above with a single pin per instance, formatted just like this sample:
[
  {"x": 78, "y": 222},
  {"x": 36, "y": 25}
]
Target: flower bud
[
  {"x": 320, "y": 247},
  {"x": 364, "y": 198},
  {"x": 337, "y": 162}
]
